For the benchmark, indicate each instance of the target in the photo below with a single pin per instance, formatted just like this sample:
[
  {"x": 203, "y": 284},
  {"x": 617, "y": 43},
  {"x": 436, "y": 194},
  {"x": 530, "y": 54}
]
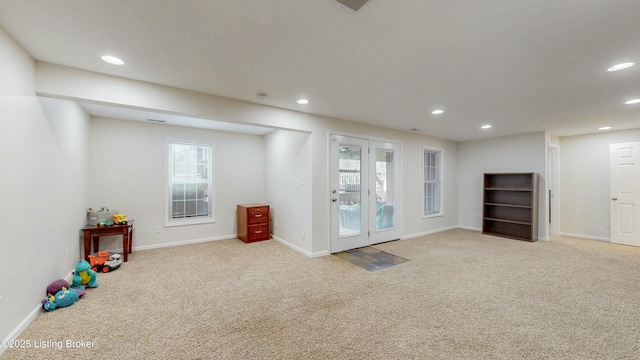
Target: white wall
[
  {"x": 43, "y": 186},
  {"x": 584, "y": 182},
  {"x": 128, "y": 160},
  {"x": 521, "y": 153},
  {"x": 415, "y": 224},
  {"x": 288, "y": 184}
]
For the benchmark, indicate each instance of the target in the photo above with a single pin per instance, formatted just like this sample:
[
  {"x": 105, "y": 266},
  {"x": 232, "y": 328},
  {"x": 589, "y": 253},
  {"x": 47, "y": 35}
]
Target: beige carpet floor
[{"x": 461, "y": 295}]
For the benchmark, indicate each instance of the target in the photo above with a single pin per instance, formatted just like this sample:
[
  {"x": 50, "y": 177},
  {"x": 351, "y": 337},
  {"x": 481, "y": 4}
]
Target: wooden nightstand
[{"x": 253, "y": 222}]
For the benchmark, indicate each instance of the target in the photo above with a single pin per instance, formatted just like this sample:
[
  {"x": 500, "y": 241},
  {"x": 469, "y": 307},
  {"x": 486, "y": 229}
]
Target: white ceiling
[{"x": 521, "y": 66}]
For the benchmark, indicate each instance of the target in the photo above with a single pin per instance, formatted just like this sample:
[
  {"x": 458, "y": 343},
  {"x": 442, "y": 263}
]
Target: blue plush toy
[
  {"x": 63, "y": 298},
  {"x": 84, "y": 276}
]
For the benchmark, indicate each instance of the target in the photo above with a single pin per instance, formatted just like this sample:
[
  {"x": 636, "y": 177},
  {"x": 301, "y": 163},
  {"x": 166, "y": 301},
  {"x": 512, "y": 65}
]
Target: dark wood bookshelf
[{"x": 510, "y": 205}]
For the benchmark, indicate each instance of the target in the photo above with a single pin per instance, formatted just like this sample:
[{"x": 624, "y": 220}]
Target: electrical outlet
[
  {"x": 157, "y": 229},
  {"x": 66, "y": 253},
  {"x": 303, "y": 235}
]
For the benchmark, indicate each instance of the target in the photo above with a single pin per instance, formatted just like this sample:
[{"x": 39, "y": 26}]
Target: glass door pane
[
  {"x": 349, "y": 195},
  {"x": 349, "y": 168},
  {"x": 385, "y": 210},
  {"x": 384, "y": 182}
]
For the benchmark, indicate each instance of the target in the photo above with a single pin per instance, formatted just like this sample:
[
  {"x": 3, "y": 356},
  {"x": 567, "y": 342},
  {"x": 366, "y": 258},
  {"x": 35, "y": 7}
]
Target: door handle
[{"x": 614, "y": 198}]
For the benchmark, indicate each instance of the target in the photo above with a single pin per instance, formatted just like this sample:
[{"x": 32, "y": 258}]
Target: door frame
[
  {"x": 398, "y": 220},
  {"x": 553, "y": 189}
]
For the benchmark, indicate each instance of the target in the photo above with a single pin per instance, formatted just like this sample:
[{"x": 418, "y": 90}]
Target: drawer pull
[
  {"x": 258, "y": 232},
  {"x": 258, "y": 215}
]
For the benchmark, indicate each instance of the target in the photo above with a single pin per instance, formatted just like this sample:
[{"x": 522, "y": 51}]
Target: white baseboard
[
  {"x": 472, "y": 228},
  {"x": 327, "y": 252},
  {"x": 299, "y": 249},
  {"x": 411, "y": 236},
  {"x": 540, "y": 238},
  {"x": 586, "y": 236},
  {"x": 179, "y": 243}
]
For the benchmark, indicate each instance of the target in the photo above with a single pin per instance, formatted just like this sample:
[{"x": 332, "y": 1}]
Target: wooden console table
[{"x": 93, "y": 232}]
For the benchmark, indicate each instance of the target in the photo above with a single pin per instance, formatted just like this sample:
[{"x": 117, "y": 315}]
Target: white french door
[
  {"x": 384, "y": 177},
  {"x": 625, "y": 193},
  {"x": 365, "y": 192},
  {"x": 349, "y": 194}
]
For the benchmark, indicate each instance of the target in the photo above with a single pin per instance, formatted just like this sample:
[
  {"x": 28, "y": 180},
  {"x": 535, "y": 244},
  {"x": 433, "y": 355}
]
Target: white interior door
[
  {"x": 625, "y": 193},
  {"x": 365, "y": 195}
]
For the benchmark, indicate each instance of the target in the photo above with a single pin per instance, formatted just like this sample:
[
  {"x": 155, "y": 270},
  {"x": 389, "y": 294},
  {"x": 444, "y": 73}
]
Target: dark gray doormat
[{"x": 371, "y": 259}]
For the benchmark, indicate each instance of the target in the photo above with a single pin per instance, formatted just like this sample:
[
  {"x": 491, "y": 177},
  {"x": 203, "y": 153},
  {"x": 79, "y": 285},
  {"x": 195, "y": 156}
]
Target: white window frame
[
  {"x": 436, "y": 180},
  {"x": 169, "y": 181}
]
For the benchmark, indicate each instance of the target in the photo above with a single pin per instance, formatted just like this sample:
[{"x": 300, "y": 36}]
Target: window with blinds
[
  {"x": 190, "y": 183},
  {"x": 432, "y": 182}
]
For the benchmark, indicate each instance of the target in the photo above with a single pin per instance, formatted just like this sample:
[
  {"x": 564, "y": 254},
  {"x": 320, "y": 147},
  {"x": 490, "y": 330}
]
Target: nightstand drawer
[
  {"x": 258, "y": 215},
  {"x": 258, "y": 232}
]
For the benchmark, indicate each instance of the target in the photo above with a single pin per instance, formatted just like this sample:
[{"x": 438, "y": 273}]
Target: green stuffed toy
[
  {"x": 63, "y": 298},
  {"x": 84, "y": 276}
]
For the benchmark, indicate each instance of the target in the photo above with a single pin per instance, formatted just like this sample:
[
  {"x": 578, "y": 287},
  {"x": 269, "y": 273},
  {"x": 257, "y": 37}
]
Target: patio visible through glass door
[
  {"x": 364, "y": 192},
  {"x": 349, "y": 193},
  {"x": 385, "y": 208}
]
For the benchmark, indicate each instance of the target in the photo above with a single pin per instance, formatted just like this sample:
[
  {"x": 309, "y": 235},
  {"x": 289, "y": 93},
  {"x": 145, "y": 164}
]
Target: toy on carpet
[
  {"x": 62, "y": 298},
  {"x": 84, "y": 276},
  {"x": 58, "y": 285},
  {"x": 105, "y": 261}
]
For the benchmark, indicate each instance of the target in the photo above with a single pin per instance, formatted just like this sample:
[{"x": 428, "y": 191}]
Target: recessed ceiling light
[
  {"x": 437, "y": 112},
  {"x": 605, "y": 128},
  {"x": 485, "y": 127},
  {"x": 634, "y": 101},
  {"x": 620, "y": 66},
  {"x": 302, "y": 101},
  {"x": 112, "y": 60}
]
